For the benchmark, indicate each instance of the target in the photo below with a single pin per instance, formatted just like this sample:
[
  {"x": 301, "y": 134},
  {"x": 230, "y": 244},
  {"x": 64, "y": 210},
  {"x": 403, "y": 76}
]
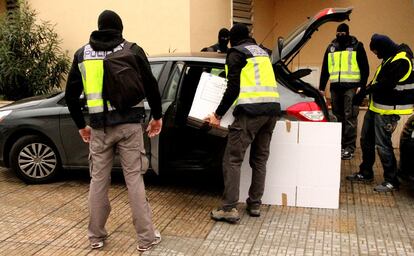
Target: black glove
[{"x": 358, "y": 98}]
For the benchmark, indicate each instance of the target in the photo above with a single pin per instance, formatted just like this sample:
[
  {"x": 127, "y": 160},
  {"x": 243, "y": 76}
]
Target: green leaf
[{"x": 31, "y": 60}]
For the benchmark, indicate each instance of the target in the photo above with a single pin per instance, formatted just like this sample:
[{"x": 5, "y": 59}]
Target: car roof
[{"x": 212, "y": 57}]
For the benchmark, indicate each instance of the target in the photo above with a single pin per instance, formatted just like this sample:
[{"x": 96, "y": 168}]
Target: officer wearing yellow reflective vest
[
  {"x": 252, "y": 88},
  {"x": 113, "y": 130},
  {"x": 345, "y": 65},
  {"x": 391, "y": 94}
]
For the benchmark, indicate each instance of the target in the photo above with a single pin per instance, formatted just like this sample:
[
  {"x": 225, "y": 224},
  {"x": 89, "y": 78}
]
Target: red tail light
[
  {"x": 306, "y": 111},
  {"x": 324, "y": 12}
]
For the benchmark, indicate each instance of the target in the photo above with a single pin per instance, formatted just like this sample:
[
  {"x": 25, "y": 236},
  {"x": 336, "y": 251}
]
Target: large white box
[
  {"x": 320, "y": 133},
  {"x": 303, "y": 167},
  {"x": 280, "y": 186},
  {"x": 319, "y": 165}
]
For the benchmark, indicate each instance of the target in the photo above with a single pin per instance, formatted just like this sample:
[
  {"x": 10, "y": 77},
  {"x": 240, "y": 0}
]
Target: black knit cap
[
  {"x": 224, "y": 32},
  {"x": 110, "y": 20},
  {"x": 343, "y": 28},
  {"x": 384, "y": 46},
  {"x": 238, "y": 32}
]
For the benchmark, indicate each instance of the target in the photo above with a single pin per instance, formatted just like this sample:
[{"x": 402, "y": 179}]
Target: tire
[{"x": 35, "y": 160}]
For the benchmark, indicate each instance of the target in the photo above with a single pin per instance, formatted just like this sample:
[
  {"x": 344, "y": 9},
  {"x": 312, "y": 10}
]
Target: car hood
[
  {"x": 289, "y": 46},
  {"x": 28, "y": 102}
]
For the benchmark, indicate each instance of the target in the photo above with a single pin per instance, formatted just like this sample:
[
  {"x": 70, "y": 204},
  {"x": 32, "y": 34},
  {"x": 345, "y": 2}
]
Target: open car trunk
[{"x": 285, "y": 51}]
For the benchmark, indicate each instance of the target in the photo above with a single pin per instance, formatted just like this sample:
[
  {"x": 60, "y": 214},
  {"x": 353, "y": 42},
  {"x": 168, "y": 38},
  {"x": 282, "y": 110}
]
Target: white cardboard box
[
  {"x": 280, "y": 188},
  {"x": 303, "y": 167}
]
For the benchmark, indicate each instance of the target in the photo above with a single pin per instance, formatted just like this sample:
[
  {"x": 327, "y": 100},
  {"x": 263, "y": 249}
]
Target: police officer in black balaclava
[
  {"x": 390, "y": 96},
  {"x": 255, "y": 118},
  {"x": 344, "y": 81},
  {"x": 221, "y": 45},
  {"x": 109, "y": 129}
]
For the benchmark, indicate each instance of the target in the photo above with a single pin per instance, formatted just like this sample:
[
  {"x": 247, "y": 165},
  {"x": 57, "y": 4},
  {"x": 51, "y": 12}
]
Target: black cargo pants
[
  {"x": 245, "y": 131},
  {"x": 346, "y": 113}
]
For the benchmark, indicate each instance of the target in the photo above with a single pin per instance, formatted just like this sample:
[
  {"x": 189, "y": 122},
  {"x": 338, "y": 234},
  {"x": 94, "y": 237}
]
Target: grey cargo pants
[
  {"x": 128, "y": 140},
  {"x": 245, "y": 131}
]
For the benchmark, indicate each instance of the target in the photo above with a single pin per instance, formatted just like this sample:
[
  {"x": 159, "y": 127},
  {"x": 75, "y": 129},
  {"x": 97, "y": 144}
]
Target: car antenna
[{"x": 268, "y": 34}]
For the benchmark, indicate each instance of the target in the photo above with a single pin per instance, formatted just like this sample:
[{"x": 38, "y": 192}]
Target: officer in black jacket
[
  {"x": 391, "y": 95},
  {"x": 345, "y": 64},
  {"x": 257, "y": 109},
  {"x": 112, "y": 130}
]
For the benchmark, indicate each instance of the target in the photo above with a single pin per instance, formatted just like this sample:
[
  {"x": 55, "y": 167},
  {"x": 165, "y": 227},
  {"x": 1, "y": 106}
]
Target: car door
[
  {"x": 161, "y": 71},
  {"x": 76, "y": 150},
  {"x": 182, "y": 146}
]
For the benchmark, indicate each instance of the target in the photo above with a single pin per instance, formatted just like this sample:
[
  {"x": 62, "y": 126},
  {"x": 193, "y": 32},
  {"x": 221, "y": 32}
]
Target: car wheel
[{"x": 34, "y": 159}]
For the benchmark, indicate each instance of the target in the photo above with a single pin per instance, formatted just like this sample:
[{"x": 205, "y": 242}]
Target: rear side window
[
  {"x": 172, "y": 86},
  {"x": 156, "y": 69}
]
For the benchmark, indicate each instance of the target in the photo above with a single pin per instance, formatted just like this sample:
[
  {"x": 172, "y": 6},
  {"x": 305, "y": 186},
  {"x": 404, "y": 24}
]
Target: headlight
[{"x": 4, "y": 113}]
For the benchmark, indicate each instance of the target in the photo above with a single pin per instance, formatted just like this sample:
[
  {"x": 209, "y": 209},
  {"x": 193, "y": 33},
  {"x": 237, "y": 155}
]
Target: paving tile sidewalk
[{"x": 52, "y": 220}]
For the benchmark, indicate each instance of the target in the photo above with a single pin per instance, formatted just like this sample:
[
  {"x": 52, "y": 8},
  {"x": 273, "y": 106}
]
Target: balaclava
[
  {"x": 110, "y": 20},
  {"x": 238, "y": 33},
  {"x": 342, "y": 39},
  {"x": 109, "y": 33},
  {"x": 383, "y": 45},
  {"x": 223, "y": 39}
]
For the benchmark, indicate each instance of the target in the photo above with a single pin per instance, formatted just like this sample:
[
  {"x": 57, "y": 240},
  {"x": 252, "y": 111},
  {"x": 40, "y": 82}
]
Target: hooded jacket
[
  {"x": 107, "y": 39},
  {"x": 362, "y": 60},
  {"x": 383, "y": 91}
]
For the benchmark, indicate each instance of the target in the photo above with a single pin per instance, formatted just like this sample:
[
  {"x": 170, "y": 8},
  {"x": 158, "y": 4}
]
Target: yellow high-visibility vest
[
  {"x": 343, "y": 66},
  {"x": 257, "y": 79},
  {"x": 393, "y": 109},
  {"x": 92, "y": 72}
]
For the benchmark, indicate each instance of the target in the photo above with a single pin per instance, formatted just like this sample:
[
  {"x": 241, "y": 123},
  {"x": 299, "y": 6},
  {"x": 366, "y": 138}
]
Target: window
[
  {"x": 156, "y": 69},
  {"x": 217, "y": 72},
  {"x": 171, "y": 90}
]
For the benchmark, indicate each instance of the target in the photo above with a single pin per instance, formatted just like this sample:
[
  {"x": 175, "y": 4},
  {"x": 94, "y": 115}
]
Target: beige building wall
[
  {"x": 264, "y": 22},
  {"x": 206, "y": 20},
  {"x": 158, "y": 26}
]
